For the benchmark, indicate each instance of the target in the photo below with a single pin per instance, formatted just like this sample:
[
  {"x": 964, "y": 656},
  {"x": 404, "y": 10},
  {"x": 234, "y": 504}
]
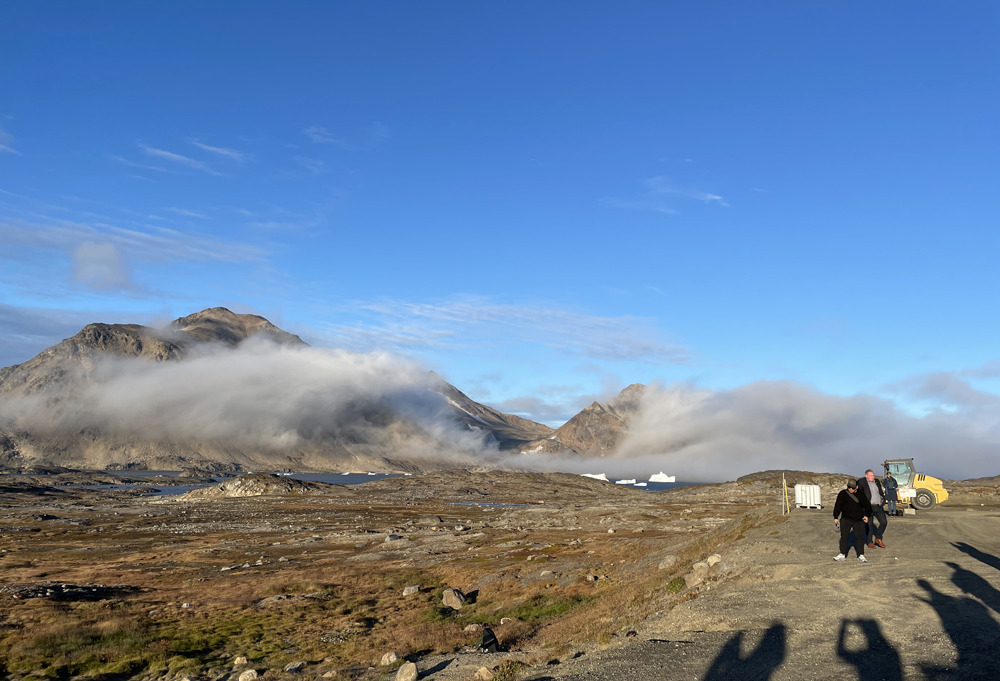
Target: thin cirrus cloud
[
  {"x": 661, "y": 194},
  {"x": 6, "y": 139},
  {"x": 311, "y": 165},
  {"x": 178, "y": 158},
  {"x": 480, "y": 321},
  {"x": 188, "y": 213},
  {"x": 238, "y": 156},
  {"x": 318, "y": 135}
]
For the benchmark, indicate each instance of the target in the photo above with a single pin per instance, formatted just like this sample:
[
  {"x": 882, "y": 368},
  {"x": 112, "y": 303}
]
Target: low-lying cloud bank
[
  {"x": 702, "y": 435},
  {"x": 275, "y": 397},
  {"x": 259, "y": 395}
]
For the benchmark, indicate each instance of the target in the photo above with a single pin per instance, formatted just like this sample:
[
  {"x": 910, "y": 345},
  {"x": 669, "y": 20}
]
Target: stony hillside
[{"x": 596, "y": 431}]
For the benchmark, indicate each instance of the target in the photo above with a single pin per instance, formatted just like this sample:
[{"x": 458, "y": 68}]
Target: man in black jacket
[
  {"x": 856, "y": 509},
  {"x": 872, "y": 489}
]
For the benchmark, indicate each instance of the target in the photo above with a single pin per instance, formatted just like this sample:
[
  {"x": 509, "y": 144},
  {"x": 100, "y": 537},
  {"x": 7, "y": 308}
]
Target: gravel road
[{"x": 927, "y": 607}]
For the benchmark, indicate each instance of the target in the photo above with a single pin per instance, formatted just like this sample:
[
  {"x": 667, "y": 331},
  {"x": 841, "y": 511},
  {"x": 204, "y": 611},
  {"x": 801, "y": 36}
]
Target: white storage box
[{"x": 807, "y": 496}]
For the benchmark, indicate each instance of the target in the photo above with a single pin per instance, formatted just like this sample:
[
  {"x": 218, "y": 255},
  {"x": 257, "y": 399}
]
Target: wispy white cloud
[
  {"x": 142, "y": 166},
  {"x": 6, "y": 139},
  {"x": 238, "y": 156},
  {"x": 481, "y": 321},
  {"x": 177, "y": 158},
  {"x": 320, "y": 135},
  {"x": 188, "y": 213},
  {"x": 102, "y": 267},
  {"x": 158, "y": 244},
  {"x": 661, "y": 194},
  {"x": 663, "y": 186},
  {"x": 378, "y": 131},
  {"x": 312, "y": 165}
]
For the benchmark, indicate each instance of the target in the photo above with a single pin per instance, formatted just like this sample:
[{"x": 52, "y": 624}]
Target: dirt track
[{"x": 927, "y": 607}]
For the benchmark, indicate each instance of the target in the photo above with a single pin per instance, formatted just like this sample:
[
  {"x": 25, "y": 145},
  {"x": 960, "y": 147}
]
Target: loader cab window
[{"x": 902, "y": 471}]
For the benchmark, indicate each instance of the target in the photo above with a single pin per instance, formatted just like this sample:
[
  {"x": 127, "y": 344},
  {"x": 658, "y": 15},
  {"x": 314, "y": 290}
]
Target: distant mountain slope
[
  {"x": 374, "y": 437},
  {"x": 598, "y": 430},
  {"x": 508, "y": 430}
]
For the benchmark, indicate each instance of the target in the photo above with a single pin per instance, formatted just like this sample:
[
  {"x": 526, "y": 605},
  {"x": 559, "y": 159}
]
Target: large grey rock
[
  {"x": 668, "y": 561},
  {"x": 249, "y": 675},
  {"x": 389, "y": 658},
  {"x": 713, "y": 559},
  {"x": 483, "y": 674},
  {"x": 453, "y": 598},
  {"x": 408, "y": 672},
  {"x": 239, "y": 661},
  {"x": 295, "y": 666},
  {"x": 410, "y": 590},
  {"x": 430, "y": 520}
]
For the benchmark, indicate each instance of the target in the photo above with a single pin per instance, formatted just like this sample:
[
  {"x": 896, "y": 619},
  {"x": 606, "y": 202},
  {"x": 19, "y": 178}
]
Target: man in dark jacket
[
  {"x": 856, "y": 510},
  {"x": 872, "y": 489}
]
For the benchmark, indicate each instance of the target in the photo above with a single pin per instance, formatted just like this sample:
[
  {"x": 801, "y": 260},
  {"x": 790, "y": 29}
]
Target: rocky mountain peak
[{"x": 219, "y": 324}]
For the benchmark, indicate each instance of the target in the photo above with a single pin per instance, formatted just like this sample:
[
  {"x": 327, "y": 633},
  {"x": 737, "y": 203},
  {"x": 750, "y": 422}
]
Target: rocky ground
[{"x": 577, "y": 578}]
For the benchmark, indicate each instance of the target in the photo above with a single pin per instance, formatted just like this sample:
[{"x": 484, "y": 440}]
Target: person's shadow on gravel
[
  {"x": 981, "y": 556},
  {"x": 878, "y": 661},
  {"x": 758, "y": 665},
  {"x": 972, "y": 630},
  {"x": 974, "y": 585}
]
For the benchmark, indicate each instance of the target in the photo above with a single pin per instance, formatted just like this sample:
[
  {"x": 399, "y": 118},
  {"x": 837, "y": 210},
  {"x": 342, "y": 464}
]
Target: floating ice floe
[
  {"x": 639, "y": 484},
  {"x": 662, "y": 477},
  {"x": 595, "y": 476},
  {"x": 625, "y": 482}
]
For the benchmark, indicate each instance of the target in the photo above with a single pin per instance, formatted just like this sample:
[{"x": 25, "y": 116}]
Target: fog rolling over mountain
[
  {"x": 225, "y": 391},
  {"x": 222, "y": 390}
]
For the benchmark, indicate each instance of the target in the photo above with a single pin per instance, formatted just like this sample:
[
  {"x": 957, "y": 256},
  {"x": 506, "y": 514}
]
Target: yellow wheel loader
[{"x": 919, "y": 490}]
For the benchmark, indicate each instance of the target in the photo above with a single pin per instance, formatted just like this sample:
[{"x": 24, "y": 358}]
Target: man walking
[
  {"x": 871, "y": 489},
  {"x": 856, "y": 509}
]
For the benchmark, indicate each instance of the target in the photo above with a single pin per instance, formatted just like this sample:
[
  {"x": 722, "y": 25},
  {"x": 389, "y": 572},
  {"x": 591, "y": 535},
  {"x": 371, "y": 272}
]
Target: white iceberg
[
  {"x": 595, "y": 476},
  {"x": 662, "y": 477},
  {"x": 639, "y": 484},
  {"x": 625, "y": 482}
]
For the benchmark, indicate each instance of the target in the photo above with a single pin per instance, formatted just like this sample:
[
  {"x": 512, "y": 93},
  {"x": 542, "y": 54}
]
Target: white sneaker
[
  {"x": 862, "y": 559},
  {"x": 839, "y": 556}
]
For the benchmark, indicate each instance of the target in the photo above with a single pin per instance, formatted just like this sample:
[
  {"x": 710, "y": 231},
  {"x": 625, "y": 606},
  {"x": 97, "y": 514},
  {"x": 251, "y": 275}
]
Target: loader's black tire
[{"x": 924, "y": 499}]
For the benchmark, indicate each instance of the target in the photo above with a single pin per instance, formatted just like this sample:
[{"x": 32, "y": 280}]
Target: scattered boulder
[
  {"x": 408, "y": 672},
  {"x": 389, "y": 658},
  {"x": 483, "y": 674},
  {"x": 295, "y": 666},
  {"x": 668, "y": 561},
  {"x": 410, "y": 590},
  {"x": 547, "y": 574},
  {"x": 330, "y": 674},
  {"x": 713, "y": 559},
  {"x": 611, "y": 531},
  {"x": 506, "y": 620},
  {"x": 591, "y": 578},
  {"x": 430, "y": 520},
  {"x": 241, "y": 660},
  {"x": 473, "y": 628},
  {"x": 453, "y": 598},
  {"x": 392, "y": 537},
  {"x": 698, "y": 574},
  {"x": 249, "y": 675},
  {"x": 487, "y": 642}
]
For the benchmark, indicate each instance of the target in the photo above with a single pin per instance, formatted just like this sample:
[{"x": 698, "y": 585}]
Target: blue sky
[{"x": 543, "y": 202}]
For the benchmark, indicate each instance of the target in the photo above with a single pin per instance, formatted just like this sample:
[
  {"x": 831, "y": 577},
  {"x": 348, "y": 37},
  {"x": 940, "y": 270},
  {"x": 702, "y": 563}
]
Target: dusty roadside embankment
[{"x": 927, "y": 607}]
